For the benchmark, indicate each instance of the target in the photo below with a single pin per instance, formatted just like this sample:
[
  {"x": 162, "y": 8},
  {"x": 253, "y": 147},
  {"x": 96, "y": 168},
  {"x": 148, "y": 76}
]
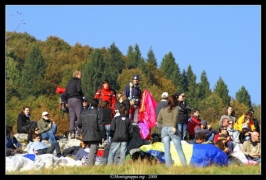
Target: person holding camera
[{"x": 47, "y": 128}]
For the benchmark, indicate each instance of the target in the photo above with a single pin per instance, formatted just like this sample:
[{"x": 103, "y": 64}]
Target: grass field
[{"x": 145, "y": 167}]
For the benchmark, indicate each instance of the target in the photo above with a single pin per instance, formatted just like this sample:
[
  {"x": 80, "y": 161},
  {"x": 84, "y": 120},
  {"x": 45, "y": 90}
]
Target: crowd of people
[{"x": 110, "y": 118}]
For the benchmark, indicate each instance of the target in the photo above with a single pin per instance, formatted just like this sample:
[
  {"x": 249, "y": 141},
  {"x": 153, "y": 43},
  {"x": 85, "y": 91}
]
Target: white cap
[
  {"x": 44, "y": 113},
  {"x": 165, "y": 95}
]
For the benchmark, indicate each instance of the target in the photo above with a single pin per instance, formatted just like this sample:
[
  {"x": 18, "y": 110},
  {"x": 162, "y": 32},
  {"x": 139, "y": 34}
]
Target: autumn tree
[{"x": 213, "y": 101}]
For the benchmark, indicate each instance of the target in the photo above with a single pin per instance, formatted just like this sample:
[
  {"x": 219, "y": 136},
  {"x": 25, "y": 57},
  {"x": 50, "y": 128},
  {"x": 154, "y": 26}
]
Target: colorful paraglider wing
[{"x": 206, "y": 155}]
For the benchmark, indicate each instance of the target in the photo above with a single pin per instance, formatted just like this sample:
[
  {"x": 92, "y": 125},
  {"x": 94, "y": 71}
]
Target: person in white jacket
[{"x": 234, "y": 134}]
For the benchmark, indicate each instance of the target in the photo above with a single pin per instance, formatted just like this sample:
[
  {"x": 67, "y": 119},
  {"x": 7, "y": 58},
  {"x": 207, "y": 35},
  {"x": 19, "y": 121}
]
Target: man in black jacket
[
  {"x": 74, "y": 99},
  {"x": 93, "y": 130}
]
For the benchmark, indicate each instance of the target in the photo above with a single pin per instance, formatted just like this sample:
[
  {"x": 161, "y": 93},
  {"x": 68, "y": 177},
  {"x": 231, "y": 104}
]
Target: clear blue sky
[{"x": 223, "y": 40}]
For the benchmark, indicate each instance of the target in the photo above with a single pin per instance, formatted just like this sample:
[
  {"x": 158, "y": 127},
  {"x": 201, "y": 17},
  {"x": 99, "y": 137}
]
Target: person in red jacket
[
  {"x": 193, "y": 123},
  {"x": 106, "y": 93}
]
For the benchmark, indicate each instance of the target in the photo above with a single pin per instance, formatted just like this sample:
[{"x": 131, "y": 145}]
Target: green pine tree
[
  {"x": 92, "y": 74},
  {"x": 203, "y": 86},
  {"x": 221, "y": 90},
  {"x": 243, "y": 96},
  {"x": 32, "y": 75}
]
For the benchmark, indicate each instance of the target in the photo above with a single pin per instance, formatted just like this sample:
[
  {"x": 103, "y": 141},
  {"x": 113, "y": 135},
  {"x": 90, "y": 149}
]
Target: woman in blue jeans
[{"x": 168, "y": 117}]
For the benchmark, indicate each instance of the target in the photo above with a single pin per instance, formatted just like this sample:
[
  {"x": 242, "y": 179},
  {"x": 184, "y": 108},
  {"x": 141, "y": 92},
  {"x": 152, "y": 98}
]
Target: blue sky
[{"x": 224, "y": 40}]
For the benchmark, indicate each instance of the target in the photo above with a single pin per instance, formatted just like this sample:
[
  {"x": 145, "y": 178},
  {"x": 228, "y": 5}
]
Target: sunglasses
[
  {"x": 46, "y": 115},
  {"x": 230, "y": 123},
  {"x": 224, "y": 129},
  {"x": 184, "y": 96}
]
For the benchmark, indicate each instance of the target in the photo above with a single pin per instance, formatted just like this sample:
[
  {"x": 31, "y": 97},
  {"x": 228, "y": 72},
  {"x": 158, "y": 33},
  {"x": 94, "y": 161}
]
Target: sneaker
[
  {"x": 59, "y": 155},
  {"x": 72, "y": 136}
]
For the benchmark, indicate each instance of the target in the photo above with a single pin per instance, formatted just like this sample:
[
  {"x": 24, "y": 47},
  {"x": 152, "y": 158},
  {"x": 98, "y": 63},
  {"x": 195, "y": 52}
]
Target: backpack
[
  {"x": 113, "y": 92},
  {"x": 63, "y": 107}
]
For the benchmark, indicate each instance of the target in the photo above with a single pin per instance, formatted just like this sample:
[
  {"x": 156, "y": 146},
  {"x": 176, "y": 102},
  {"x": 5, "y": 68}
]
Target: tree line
[{"x": 35, "y": 68}]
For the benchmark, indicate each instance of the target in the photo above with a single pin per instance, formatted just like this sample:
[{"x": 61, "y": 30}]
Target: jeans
[
  {"x": 210, "y": 137},
  {"x": 230, "y": 145},
  {"x": 107, "y": 129},
  {"x": 112, "y": 152},
  {"x": 254, "y": 159},
  {"x": 50, "y": 134},
  {"x": 167, "y": 135},
  {"x": 183, "y": 129}
]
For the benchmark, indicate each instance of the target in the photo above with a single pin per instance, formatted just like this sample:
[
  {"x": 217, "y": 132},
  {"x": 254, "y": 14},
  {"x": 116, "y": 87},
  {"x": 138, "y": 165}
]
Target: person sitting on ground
[
  {"x": 245, "y": 133},
  {"x": 38, "y": 148},
  {"x": 255, "y": 121},
  {"x": 83, "y": 150},
  {"x": 246, "y": 118},
  {"x": 229, "y": 143},
  {"x": 47, "y": 128},
  {"x": 199, "y": 138},
  {"x": 12, "y": 143},
  {"x": 252, "y": 147},
  {"x": 23, "y": 122},
  {"x": 234, "y": 134},
  {"x": 221, "y": 144},
  {"x": 33, "y": 130},
  {"x": 206, "y": 129}
]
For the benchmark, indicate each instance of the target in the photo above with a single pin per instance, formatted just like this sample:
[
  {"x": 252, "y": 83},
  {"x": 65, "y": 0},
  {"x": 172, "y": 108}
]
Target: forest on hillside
[{"x": 35, "y": 68}]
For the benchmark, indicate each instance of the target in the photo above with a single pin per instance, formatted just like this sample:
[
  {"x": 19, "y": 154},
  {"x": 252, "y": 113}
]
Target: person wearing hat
[
  {"x": 160, "y": 105},
  {"x": 244, "y": 134},
  {"x": 183, "y": 114},
  {"x": 229, "y": 142},
  {"x": 221, "y": 144},
  {"x": 134, "y": 94},
  {"x": 47, "y": 128},
  {"x": 206, "y": 129}
]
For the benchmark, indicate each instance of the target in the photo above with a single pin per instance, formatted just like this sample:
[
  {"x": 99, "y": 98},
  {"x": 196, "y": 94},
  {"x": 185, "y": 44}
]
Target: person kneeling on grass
[{"x": 38, "y": 148}]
